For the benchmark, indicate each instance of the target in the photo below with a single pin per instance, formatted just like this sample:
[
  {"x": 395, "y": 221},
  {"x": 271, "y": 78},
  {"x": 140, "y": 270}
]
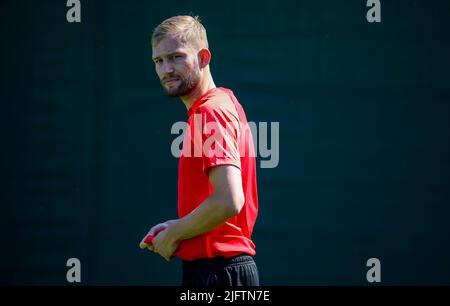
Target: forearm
[{"x": 211, "y": 213}]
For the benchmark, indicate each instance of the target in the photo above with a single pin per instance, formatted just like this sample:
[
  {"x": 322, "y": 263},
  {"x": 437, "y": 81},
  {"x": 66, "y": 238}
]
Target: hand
[
  {"x": 164, "y": 244},
  {"x": 153, "y": 232}
]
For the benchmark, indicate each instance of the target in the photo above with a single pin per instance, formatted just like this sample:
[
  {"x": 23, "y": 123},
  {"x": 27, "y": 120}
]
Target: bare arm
[{"x": 225, "y": 202}]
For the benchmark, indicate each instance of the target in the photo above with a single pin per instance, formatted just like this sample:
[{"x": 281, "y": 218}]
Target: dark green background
[{"x": 364, "y": 114}]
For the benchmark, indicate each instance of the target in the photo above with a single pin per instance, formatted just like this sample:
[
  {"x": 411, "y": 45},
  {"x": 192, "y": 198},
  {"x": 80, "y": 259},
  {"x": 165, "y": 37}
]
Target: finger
[
  {"x": 157, "y": 228},
  {"x": 151, "y": 248},
  {"x": 166, "y": 257},
  {"x": 144, "y": 242}
]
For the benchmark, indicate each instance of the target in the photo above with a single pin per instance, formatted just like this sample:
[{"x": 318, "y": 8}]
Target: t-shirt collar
[{"x": 200, "y": 100}]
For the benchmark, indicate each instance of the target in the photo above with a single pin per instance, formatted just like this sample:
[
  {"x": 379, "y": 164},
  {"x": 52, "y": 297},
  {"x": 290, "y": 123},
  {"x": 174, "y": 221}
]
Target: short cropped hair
[{"x": 188, "y": 28}]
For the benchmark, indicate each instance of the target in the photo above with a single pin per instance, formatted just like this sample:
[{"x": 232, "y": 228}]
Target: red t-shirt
[{"x": 217, "y": 134}]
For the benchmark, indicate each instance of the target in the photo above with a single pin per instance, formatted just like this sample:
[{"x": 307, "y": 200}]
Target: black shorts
[{"x": 240, "y": 270}]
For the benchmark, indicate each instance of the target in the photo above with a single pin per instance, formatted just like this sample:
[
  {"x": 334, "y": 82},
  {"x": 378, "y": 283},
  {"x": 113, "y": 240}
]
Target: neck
[{"x": 202, "y": 87}]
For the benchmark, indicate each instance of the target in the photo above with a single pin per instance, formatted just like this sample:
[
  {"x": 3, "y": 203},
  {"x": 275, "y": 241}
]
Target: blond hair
[{"x": 188, "y": 28}]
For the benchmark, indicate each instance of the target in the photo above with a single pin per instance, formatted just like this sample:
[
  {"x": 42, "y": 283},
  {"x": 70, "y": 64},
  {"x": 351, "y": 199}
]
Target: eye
[{"x": 157, "y": 61}]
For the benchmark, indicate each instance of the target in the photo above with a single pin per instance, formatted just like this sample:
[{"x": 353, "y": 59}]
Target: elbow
[{"x": 234, "y": 203}]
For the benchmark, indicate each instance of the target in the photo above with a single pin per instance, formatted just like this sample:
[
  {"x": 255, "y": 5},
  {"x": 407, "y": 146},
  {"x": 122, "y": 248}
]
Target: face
[{"x": 177, "y": 66}]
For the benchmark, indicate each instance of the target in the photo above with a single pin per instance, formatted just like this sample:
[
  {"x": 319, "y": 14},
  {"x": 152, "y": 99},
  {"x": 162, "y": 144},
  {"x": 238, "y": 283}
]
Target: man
[{"x": 217, "y": 192}]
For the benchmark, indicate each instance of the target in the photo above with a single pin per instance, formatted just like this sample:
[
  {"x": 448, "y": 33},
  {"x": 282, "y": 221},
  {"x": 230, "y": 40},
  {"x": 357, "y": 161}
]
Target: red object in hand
[{"x": 149, "y": 240}]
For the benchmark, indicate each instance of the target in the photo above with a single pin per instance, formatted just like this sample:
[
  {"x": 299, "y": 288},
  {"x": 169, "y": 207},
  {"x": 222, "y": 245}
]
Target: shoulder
[{"x": 219, "y": 105}]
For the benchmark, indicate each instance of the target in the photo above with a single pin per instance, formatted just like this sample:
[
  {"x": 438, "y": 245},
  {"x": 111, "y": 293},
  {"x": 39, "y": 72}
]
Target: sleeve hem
[{"x": 221, "y": 163}]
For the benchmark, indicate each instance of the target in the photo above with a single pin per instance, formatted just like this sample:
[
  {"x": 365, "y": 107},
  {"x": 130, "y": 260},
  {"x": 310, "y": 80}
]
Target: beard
[{"x": 185, "y": 86}]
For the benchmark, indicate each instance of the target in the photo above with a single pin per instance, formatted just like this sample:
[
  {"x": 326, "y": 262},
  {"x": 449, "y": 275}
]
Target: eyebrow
[{"x": 168, "y": 54}]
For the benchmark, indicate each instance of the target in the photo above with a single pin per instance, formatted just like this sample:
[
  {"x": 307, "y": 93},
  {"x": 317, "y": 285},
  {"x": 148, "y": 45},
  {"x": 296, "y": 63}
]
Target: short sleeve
[{"x": 220, "y": 137}]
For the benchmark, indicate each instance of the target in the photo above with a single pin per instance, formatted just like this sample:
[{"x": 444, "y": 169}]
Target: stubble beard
[{"x": 185, "y": 87}]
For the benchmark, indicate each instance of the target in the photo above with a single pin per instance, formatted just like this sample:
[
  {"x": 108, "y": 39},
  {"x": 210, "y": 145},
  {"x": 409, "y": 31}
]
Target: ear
[{"x": 204, "y": 57}]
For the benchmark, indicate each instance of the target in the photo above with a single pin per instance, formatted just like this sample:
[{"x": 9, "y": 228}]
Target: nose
[{"x": 167, "y": 67}]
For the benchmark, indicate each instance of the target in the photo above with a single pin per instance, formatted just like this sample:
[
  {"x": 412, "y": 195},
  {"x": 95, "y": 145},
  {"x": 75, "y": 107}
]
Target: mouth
[{"x": 169, "y": 81}]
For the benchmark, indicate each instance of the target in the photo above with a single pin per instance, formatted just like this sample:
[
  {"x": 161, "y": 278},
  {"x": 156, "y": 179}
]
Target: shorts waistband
[{"x": 217, "y": 262}]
